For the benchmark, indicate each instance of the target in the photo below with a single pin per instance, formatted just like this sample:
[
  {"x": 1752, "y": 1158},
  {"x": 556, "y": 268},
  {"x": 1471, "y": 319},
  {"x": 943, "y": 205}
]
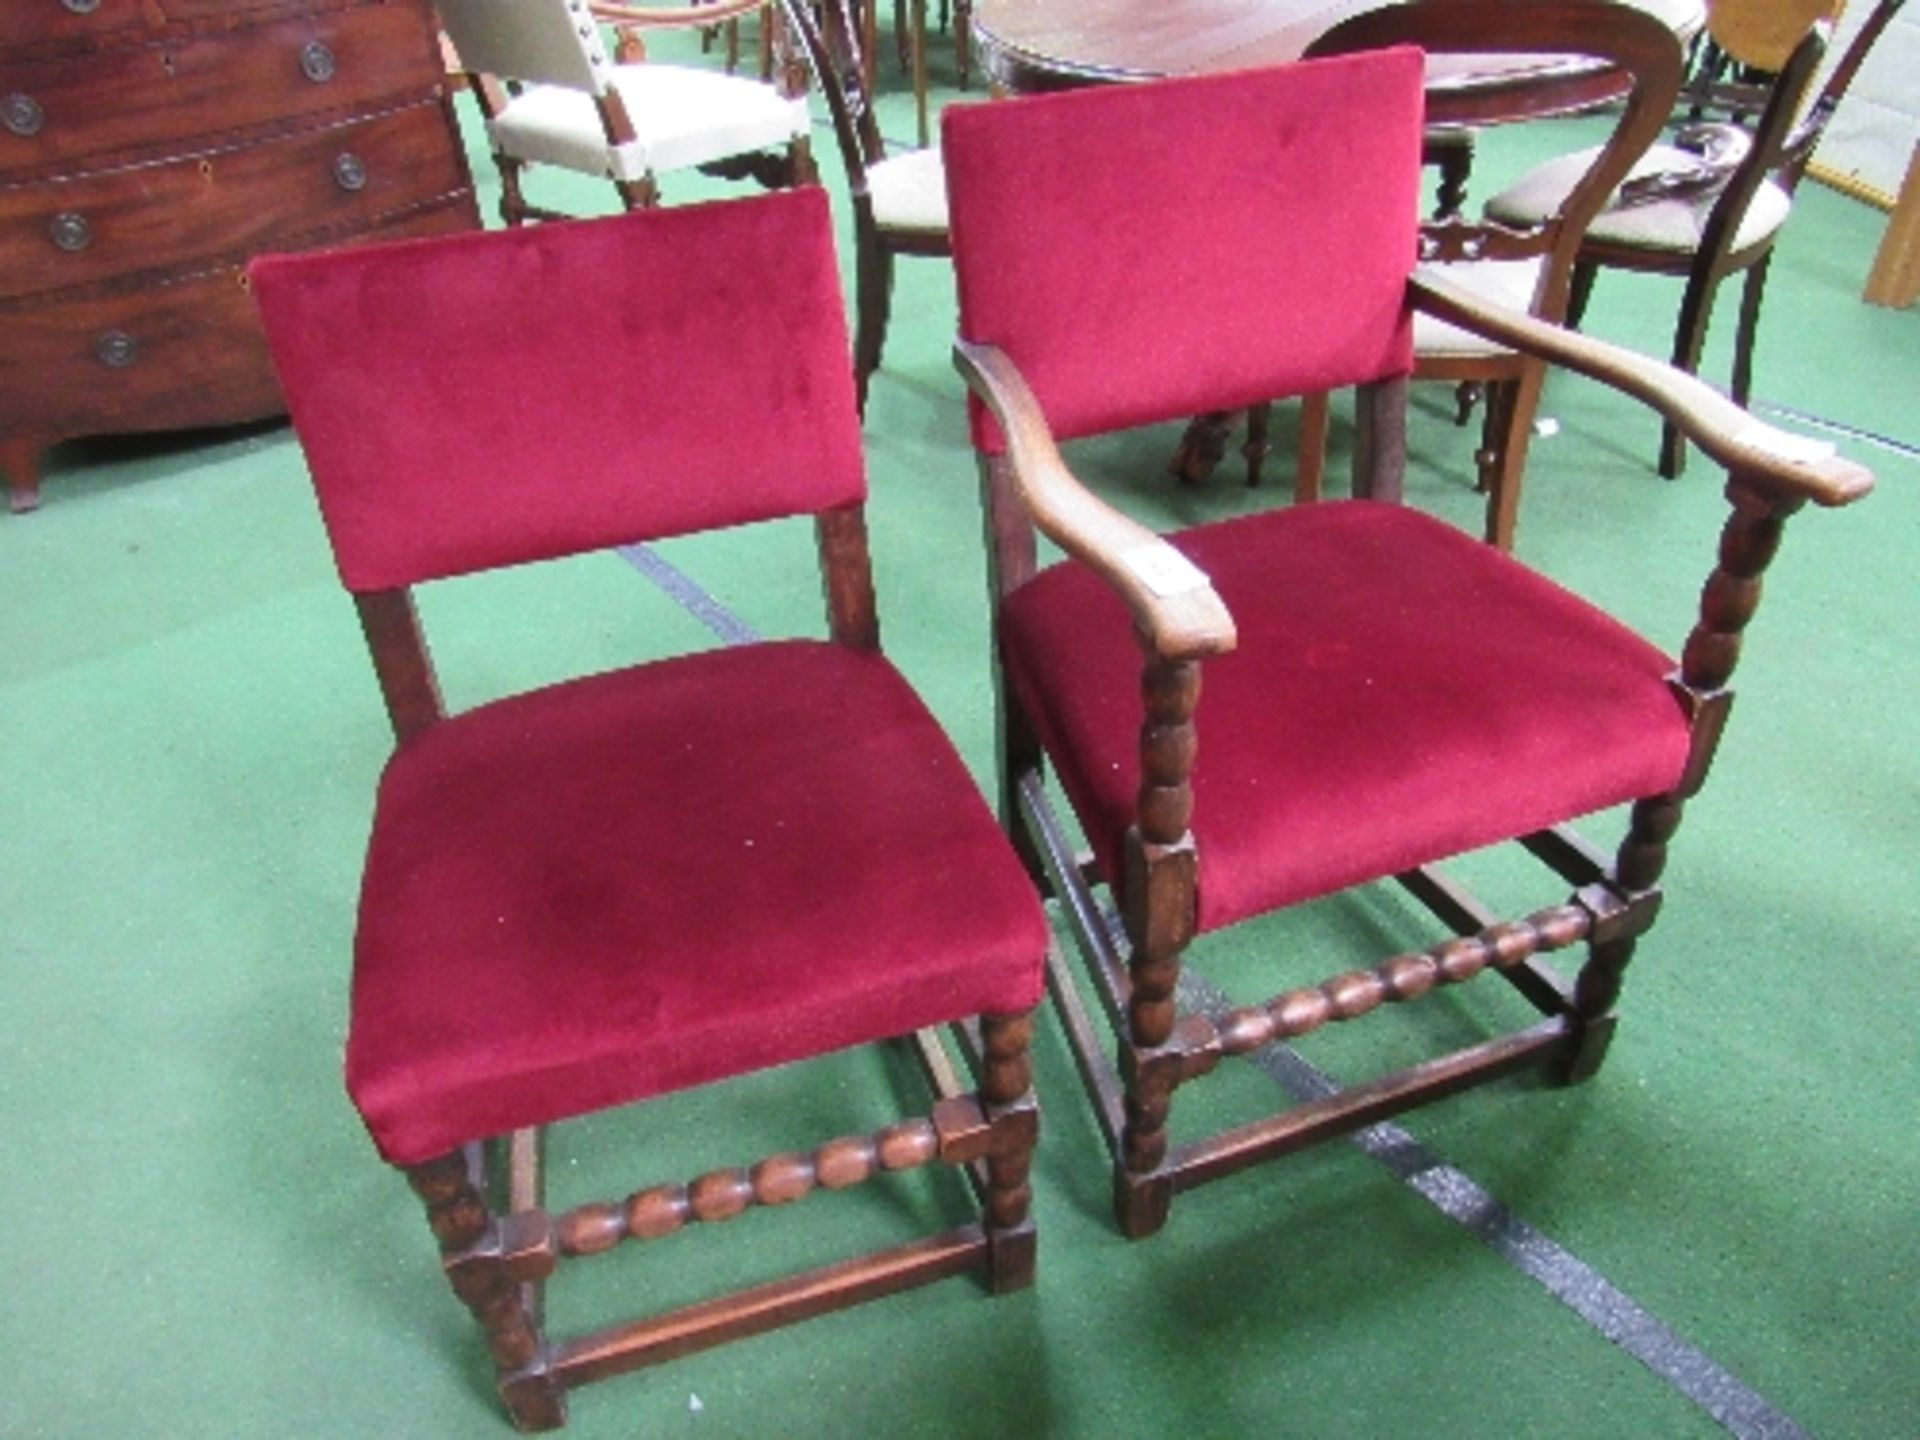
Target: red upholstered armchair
[
  {"x": 1381, "y": 691},
  {"x": 666, "y": 875}
]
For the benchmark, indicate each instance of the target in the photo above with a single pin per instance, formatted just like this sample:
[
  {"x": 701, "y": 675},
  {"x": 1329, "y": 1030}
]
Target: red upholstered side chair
[
  {"x": 1716, "y": 208},
  {"x": 663, "y": 876},
  {"x": 1381, "y": 691}
]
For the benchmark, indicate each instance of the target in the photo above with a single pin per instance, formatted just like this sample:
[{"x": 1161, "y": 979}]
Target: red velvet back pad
[
  {"x": 489, "y": 399},
  {"x": 1145, "y": 252}
]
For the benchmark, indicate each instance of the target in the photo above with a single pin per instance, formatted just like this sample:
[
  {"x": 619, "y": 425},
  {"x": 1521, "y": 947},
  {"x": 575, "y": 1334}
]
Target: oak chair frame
[
  {"x": 1133, "y": 960},
  {"x": 485, "y": 1203}
]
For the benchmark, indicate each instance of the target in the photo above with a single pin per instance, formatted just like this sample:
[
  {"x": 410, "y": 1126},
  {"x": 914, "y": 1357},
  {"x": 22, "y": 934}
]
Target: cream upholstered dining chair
[
  {"x": 1244, "y": 716},
  {"x": 1714, "y": 203},
  {"x": 551, "y": 95},
  {"x": 899, "y": 201},
  {"x": 666, "y": 875}
]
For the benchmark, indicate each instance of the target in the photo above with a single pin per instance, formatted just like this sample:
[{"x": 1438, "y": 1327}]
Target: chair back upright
[
  {"x": 1272, "y": 259},
  {"x": 492, "y": 399},
  {"x": 1625, "y": 41},
  {"x": 832, "y": 45},
  {"x": 545, "y": 42},
  {"x": 1805, "y": 137}
]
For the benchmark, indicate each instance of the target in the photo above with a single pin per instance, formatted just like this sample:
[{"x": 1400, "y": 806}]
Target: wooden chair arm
[
  {"x": 1172, "y": 602},
  {"x": 651, "y": 17},
  {"x": 1774, "y": 460}
]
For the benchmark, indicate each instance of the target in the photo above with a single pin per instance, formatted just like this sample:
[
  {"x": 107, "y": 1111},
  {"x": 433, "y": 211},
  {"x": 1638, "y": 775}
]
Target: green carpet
[{"x": 200, "y": 1241}]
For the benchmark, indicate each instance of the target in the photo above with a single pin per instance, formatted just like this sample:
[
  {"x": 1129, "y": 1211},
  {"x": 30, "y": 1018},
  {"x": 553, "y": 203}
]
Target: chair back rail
[
  {"x": 547, "y": 42},
  {"x": 414, "y": 489}
]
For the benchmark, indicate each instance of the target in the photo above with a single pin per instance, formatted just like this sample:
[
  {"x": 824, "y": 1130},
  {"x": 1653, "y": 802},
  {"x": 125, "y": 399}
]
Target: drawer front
[
  {"x": 147, "y": 98},
  {"x": 223, "y": 204},
  {"x": 171, "y": 357},
  {"x": 36, "y": 22}
]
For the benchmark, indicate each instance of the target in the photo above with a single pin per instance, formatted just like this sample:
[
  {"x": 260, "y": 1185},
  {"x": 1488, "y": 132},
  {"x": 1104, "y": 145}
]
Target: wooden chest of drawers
[{"x": 147, "y": 149}]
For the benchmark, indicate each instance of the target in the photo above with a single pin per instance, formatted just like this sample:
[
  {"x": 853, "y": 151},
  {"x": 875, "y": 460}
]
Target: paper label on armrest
[
  {"x": 1164, "y": 570},
  {"x": 1797, "y": 449}
]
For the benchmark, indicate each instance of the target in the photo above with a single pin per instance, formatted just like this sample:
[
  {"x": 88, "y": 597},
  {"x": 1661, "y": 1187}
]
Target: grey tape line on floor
[
  {"x": 1741, "y": 1411},
  {"x": 1569, "y": 1279}
]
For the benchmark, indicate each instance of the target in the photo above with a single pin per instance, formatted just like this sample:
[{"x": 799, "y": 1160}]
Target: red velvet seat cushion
[
  {"x": 1401, "y": 693},
  {"x": 649, "y": 879}
]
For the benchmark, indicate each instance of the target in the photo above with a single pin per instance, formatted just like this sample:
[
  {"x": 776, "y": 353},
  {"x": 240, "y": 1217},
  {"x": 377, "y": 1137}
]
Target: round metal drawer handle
[
  {"x": 116, "y": 350},
  {"x": 349, "y": 172},
  {"x": 70, "y": 231},
  {"x": 317, "y": 62},
  {"x": 22, "y": 115},
  {"x": 81, "y": 7}
]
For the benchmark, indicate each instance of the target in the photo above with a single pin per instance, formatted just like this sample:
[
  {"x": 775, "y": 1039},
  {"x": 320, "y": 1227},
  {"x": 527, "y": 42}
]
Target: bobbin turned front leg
[
  {"x": 1006, "y": 1088},
  {"x": 1158, "y": 909},
  {"x": 480, "y": 1267}
]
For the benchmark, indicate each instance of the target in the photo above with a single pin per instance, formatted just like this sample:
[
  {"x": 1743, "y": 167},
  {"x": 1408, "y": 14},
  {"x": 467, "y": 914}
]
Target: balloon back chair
[
  {"x": 1713, "y": 204},
  {"x": 1381, "y": 691},
  {"x": 899, "y": 201},
  {"x": 551, "y": 95},
  {"x": 1530, "y": 266},
  {"x": 666, "y": 875}
]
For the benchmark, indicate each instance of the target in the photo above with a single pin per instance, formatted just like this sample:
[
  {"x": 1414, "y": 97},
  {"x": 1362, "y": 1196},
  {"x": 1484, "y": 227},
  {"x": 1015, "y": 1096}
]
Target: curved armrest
[
  {"x": 658, "y": 18},
  {"x": 1788, "y": 464},
  {"x": 1172, "y": 602}
]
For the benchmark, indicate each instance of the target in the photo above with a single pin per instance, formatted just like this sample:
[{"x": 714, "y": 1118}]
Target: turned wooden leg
[
  {"x": 1006, "y": 1085},
  {"x": 1643, "y": 855},
  {"x": 1201, "y": 447},
  {"x": 1158, "y": 907},
  {"x": 467, "y": 1231},
  {"x": 20, "y": 458},
  {"x": 513, "y": 202},
  {"x": 1254, "y": 451},
  {"x": 1452, "y": 153}
]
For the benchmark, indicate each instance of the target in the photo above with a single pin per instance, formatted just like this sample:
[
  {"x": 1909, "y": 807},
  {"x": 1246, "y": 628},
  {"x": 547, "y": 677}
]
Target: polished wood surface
[
  {"x": 147, "y": 152},
  {"x": 1029, "y": 45}
]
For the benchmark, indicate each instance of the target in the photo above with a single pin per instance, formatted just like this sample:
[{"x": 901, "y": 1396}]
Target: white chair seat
[
  {"x": 682, "y": 117},
  {"x": 1673, "y": 224},
  {"x": 1504, "y": 282},
  {"x": 909, "y": 192}
]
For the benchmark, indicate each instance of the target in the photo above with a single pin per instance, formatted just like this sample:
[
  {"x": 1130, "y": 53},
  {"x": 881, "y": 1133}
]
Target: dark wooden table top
[{"x": 1033, "y": 45}]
